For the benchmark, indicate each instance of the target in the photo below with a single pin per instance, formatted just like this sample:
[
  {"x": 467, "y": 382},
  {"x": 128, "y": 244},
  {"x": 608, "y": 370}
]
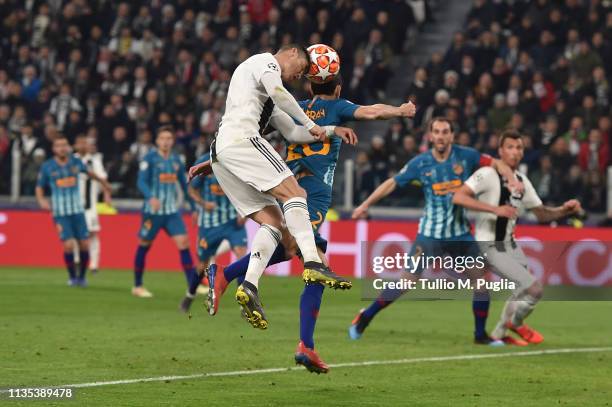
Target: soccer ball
[{"x": 324, "y": 63}]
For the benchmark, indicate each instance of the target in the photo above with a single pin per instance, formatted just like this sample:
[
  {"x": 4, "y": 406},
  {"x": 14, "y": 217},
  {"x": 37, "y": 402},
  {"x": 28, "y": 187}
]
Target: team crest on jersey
[
  {"x": 273, "y": 66},
  {"x": 147, "y": 225},
  {"x": 175, "y": 166},
  {"x": 458, "y": 169},
  {"x": 74, "y": 169},
  {"x": 54, "y": 173}
]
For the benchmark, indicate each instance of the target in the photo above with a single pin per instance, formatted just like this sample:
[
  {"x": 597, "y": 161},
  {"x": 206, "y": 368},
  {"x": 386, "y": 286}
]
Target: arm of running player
[
  {"x": 144, "y": 174},
  {"x": 106, "y": 186},
  {"x": 297, "y": 134},
  {"x": 194, "y": 193},
  {"x": 43, "y": 202},
  {"x": 41, "y": 184},
  {"x": 381, "y": 111},
  {"x": 465, "y": 197},
  {"x": 547, "y": 214},
  {"x": 287, "y": 103},
  {"x": 383, "y": 190},
  {"x": 182, "y": 178}
]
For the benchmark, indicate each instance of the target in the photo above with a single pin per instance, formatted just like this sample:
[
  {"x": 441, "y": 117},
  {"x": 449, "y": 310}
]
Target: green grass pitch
[{"x": 51, "y": 334}]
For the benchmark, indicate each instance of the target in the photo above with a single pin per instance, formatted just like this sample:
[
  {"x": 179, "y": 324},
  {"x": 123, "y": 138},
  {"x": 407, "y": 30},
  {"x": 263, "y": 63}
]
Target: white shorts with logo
[
  {"x": 508, "y": 261},
  {"x": 246, "y": 170},
  {"x": 92, "y": 219}
]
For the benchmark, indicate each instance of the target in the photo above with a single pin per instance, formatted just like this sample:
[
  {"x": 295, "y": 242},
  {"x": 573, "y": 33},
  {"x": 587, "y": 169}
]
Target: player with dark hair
[
  {"x": 497, "y": 206},
  {"x": 60, "y": 175},
  {"x": 255, "y": 178},
  {"x": 161, "y": 174},
  {"x": 444, "y": 227},
  {"x": 314, "y": 166}
]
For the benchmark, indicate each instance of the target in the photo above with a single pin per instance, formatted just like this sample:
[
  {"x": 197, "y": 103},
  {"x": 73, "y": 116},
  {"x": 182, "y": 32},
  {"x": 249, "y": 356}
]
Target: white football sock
[
  {"x": 264, "y": 243},
  {"x": 77, "y": 254},
  {"x": 524, "y": 306},
  {"x": 298, "y": 223},
  {"x": 94, "y": 252},
  {"x": 506, "y": 315}
]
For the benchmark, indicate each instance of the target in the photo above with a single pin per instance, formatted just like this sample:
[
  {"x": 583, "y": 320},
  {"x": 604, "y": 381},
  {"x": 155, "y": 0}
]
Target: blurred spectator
[
  {"x": 400, "y": 157},
  {"x": 594, "y": 153}
]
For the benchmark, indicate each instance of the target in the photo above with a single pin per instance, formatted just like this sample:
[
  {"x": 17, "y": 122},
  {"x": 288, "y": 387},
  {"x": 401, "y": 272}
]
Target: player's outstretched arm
[
  {"x": 204, "y": 169},
  {"x": 505, "y": 171},
  {"x": 294, "y": 133},
  {"x": 383, "y": 190},
  {"x": 547, "y": 214},
  {"x": 40, "y": 198},
  {"x": 381, "y": 111},
  {"x": 464, "y": 196}
]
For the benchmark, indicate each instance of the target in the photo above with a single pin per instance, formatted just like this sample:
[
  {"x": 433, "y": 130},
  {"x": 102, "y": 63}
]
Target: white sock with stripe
[
  {"x": 298, "y": 223},
  {"x": 94, "y": 252},
  {"x": 264, "y": 243}
]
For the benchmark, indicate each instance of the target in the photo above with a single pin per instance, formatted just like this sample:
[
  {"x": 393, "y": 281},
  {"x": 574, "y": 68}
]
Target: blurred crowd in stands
[{"x": 115, "y": 71}]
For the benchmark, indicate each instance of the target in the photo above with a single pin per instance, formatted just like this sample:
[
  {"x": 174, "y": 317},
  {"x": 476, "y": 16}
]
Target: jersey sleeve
[
  {"x": 530, "y": 198},
  {"x": 346, "y": 110},
  {"x": 266, "y": 65},
  {"x": 408, "y": 174},
  {"x": 480, "y": 181}
]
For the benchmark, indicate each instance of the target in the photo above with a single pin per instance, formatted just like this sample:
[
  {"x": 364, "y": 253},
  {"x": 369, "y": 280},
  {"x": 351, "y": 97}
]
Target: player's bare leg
[
  {"x": 94, "y": 252},
  {"x": 139, "y": 264},
  {"x": 263, "y": 246},
  {"x": 298, "y": 223}
]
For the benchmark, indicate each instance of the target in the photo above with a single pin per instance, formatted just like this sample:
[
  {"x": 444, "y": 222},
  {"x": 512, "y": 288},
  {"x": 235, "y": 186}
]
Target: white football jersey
[
  {"x": 90, "y": 189},
  {"x": 489, "y": 187},
  {"x": 248, "y": 107}
]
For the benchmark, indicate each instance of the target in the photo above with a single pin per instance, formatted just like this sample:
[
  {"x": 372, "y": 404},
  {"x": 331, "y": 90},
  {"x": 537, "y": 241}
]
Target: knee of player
[
  {"x": 536, "y": 290},
  {"x": 182, "y": 242},
  {"x": 84, "y": 245}
]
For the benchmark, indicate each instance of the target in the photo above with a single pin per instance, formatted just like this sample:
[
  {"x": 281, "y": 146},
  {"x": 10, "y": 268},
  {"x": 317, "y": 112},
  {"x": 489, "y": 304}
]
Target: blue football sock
[
  {"x": 382, "y": 302},
  {"x": 84, "y": 255},
  {"x": 480, "y": 307},
  {"x": 239, "y": 268},
  {"x": 190, "y": 273},
  {"x": 139, "y": 264},
  {"x": 310, "y": 302},
  {"x": 69, "y": 260}
]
